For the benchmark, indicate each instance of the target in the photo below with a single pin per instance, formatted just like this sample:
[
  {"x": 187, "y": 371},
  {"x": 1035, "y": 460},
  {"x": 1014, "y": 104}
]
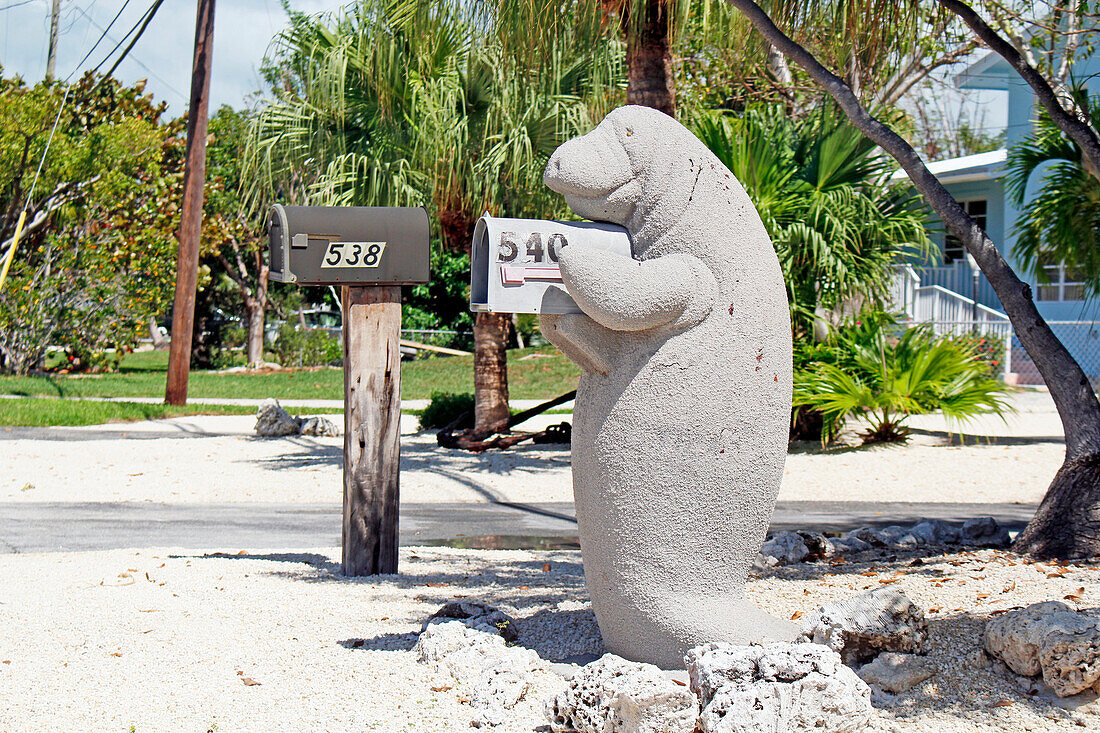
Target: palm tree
[
  {"x": 1061, "y": 223},
  {"x": 821, "y": 189},
  {"x": 882, "y": 379},
  {"x": 452, "y": 105},
  {"x": 685, "y": 54},
  {"x": 649, "y": 26}
]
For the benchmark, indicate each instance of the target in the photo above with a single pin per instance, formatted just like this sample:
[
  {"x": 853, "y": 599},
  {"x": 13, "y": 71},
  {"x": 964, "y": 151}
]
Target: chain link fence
[{"x": 1082, "y": 338}]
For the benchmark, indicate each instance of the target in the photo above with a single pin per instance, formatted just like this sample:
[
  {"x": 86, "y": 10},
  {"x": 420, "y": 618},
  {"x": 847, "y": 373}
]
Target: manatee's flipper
[
  {"x": 581, "y": 339},
  {"x": 624, "y": 294}
]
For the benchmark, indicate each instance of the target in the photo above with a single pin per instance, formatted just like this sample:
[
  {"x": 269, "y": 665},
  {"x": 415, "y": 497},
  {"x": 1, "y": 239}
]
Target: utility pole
[
  {"x": 51, "y": 59},
  {"x": 194, "y": 176}
]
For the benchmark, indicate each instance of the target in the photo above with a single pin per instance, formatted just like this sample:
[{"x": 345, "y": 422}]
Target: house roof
[
  {"x": 977, "y": 167},
  {"x": 990, "y": 71}
]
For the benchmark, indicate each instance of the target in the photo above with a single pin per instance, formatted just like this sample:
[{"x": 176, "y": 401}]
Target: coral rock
[
  {"x": 477, "y": 615},
  {"x": 786, "y": 548},
  {"x": 613, "y": 695},
  {"x": 864, "y": 625},
  {"x": 1051, "y": 638},
  {"x": 272, "y": 421},
  {"x": 896, "y": 672},
  {"x": 984, "y": 532},
  {"x": 775, "y": 688}
]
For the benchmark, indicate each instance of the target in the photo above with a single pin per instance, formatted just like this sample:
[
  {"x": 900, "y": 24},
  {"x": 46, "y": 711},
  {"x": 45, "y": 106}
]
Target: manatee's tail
[
  {"x": 754, "y": 624},
  {"x": 663, "y": 630}
]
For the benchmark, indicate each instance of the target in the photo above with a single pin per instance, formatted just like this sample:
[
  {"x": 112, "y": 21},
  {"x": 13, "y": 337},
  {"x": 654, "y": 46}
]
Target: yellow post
[{"x": 14, "y": 244}]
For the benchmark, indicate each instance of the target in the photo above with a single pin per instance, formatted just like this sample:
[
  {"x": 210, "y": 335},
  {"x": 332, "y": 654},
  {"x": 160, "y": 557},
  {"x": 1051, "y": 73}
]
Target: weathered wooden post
[
  {"x": 371, "y": 252},
  {"x": 372, "y": 427}
]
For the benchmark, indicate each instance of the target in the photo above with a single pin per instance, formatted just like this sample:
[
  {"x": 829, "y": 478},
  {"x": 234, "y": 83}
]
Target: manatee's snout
[
  {"x": 590, "y": 166},
  {"x": 595, "y": 175}
]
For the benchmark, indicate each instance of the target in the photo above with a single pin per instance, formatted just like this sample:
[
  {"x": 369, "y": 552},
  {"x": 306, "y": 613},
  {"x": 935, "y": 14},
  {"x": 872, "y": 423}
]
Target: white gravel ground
[
  {"x": 162, "y": 640},
  {"x": 215, "y": 459}
]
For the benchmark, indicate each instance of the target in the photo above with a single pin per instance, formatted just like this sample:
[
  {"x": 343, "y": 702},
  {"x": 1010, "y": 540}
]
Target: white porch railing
[
  {"x": 947, "y": 312},
  {"x": 903, "y": 290},
  {"x": 933, "y": 303}
]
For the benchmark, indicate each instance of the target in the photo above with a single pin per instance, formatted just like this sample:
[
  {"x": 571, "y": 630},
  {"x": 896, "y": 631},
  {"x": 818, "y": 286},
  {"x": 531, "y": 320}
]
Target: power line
[
  {"x": 149, "y": 17},
  {"x": 135, "y": 59},
  {"x": 10, "y": 255},
  {"x": 124, "y": 37},
  {"x": 64, "y": 99},
  {"x": 16, "y": 5},
  {"x": 98, "y": 40}
]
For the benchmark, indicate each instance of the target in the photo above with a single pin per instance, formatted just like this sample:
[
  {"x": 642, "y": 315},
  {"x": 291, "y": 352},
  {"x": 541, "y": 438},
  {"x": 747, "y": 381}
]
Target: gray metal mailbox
[
  {"x": 514, "y": 262},
  {"x": 348, "y": 245}
]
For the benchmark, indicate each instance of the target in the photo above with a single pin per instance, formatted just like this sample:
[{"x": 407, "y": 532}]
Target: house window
[
  {"x": 1060, "y": 283},
  {"x": 952, "y": 246}
]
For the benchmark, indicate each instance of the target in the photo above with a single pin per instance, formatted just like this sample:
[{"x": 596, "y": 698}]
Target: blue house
[{"x": 951, "y": 293}]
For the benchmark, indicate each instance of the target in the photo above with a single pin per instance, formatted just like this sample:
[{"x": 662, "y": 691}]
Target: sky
[{"x": 242, "y": 31}]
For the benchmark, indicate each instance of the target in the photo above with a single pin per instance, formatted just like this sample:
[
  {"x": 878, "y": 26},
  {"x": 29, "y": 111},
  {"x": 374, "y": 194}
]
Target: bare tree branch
[
  {"x": 241, "y": 280},
  {"x": 40, "y": 215},
  {"x": 916, "y": 71},
  {"x": 1061, "y": 76},
  {"x": 1074, "y": 125}
]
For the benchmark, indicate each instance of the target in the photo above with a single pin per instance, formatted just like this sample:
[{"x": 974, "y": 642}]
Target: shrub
[
  {"x": 990, "y": 351},
  {"x": 527, "y": 326},
  {"x": 883, "y": 379},
  {"x": 807, "y": 423},
  {"x": 307, "y": 347},
  {"x": 228, "y": 358},
  {"x": 233, "y": 337},
  {"x": 444, "y": 408}
]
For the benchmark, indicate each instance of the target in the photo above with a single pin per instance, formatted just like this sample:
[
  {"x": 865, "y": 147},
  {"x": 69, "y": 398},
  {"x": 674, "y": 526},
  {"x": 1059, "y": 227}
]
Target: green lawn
[
  {"x": 540, "y": 373},
  {"x": 32, "y": 412}
]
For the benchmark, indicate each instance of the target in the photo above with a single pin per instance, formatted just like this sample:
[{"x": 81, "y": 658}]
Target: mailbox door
[{"x": 277, "y": 245}]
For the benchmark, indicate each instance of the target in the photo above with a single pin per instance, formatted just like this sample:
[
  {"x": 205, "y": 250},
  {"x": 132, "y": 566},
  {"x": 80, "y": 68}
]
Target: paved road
[{"x": 56, "y": 527}]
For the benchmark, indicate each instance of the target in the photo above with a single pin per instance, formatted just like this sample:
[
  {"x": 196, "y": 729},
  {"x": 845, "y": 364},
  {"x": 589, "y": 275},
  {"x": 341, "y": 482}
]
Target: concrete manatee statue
[{"x": 681, "y": 418}]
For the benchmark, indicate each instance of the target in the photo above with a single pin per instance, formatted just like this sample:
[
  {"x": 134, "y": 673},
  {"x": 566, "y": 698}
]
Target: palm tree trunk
[
  {"x": 1067, "y": 523},
  {"x": 490, "y": 336},
  {"x": 256, "y": 307},
  {"x": 254, "y": 345},
  {"x": 490, "y": 372},
  {"x": 649, "y": 54}
]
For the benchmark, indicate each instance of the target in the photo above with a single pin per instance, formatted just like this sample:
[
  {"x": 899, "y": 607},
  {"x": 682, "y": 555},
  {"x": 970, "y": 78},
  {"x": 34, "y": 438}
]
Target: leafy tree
[
  {"x": 233, "y": 247},
  {"x": 886, "y": 51},
  {"x": 1061, "y": 222},
  {"x": 942, "y": 132},
  {"x": 444, "y": 302},
  {"x": 96, "y": 258},
  {"x": 823, "y": 193}
]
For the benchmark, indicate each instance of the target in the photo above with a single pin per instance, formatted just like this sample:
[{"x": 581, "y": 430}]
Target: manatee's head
[{"x": 636, "y": 159}]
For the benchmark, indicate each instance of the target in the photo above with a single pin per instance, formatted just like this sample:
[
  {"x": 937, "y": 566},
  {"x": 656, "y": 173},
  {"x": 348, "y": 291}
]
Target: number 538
[{"x": 353, "y": 254}]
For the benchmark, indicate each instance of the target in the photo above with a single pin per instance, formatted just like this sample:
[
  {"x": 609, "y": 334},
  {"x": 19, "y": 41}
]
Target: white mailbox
[{"x": 514, "y": 262}]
